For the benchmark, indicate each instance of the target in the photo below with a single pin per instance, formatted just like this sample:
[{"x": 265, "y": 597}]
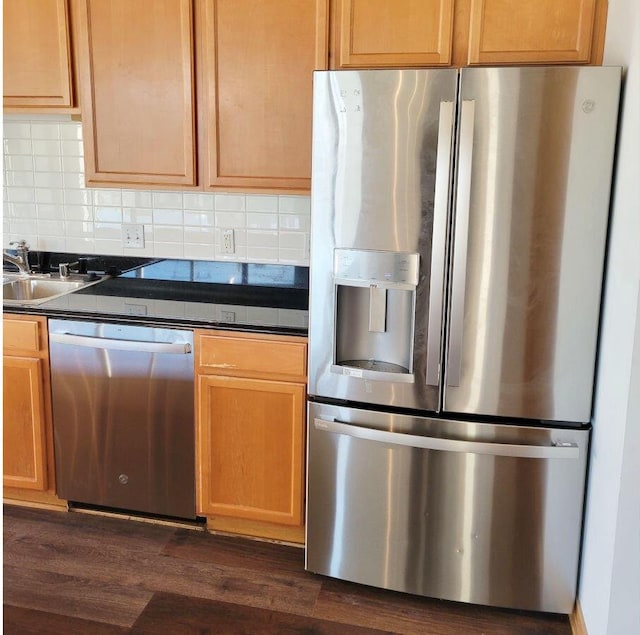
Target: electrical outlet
[
  {"x": 228, "y": 242},
  {"x": 133, "y": 236}
]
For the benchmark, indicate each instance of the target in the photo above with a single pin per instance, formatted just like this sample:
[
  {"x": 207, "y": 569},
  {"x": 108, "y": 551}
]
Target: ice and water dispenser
[{"x": 375, "y": 297}]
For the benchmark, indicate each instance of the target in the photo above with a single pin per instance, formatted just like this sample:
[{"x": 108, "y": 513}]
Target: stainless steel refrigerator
[{"x": 459, "y": 223}]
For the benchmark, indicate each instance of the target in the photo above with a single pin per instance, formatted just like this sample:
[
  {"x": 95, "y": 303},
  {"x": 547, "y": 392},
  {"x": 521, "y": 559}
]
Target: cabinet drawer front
[
  {"x": 21, "y": 335},
  {"x": 281, "y": 358}
]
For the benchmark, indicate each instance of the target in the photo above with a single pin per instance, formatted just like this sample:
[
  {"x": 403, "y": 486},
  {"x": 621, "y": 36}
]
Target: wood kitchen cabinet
[
  {"x": 28, "y": 468},
  {"x": 257, "y": 65},
  {"x": 136, "y": 70},
  {"x": 250, "y": 443},
  {"x": 381, "y": 33},
  {"x": 252, "y": 93},
  {"x": 37, "y": 58}
]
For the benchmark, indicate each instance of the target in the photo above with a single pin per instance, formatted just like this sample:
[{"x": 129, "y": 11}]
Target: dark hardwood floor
[{"x": 74, "y": 573}]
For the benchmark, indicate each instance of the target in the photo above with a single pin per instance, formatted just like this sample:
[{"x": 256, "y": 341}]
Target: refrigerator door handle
[
  {"x": 439, "y": 238},
  {"x": 461, "y": 235},
  {"x": 559, "y": 450}
]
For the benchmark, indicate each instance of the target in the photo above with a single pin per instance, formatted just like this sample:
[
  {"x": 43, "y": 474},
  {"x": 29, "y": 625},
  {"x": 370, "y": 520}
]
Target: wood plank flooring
[{"x": 76, "y": 574}]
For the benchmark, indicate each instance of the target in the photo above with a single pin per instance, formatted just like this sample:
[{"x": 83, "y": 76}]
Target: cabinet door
[
  {"x": 380, "y": 33},
  {"x": 532, "y": 31},
  {"x": 137, "y": 91},
  {"x": 37, "y": 56},
  {"x": 251, "y": 449},
  {"x": 23, "y": 436},
  {"x": 257, "y": 65}
]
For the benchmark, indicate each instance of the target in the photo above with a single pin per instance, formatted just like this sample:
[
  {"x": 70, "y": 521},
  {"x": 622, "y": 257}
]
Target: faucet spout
[{"x": 21, "y": 259}]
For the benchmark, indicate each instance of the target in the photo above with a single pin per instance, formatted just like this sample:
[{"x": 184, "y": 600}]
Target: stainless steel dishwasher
[{"x": 123, "y": 416}]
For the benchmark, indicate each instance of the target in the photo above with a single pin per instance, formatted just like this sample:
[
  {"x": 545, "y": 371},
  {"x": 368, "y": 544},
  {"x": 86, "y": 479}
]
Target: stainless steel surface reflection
[
  {"x": 489, "y": 515},
  {"x": 123, "y": 416}
]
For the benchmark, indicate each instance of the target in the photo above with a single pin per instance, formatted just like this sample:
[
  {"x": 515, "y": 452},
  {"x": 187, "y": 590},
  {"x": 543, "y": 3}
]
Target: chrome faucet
[{"x": 21, "y": 260}]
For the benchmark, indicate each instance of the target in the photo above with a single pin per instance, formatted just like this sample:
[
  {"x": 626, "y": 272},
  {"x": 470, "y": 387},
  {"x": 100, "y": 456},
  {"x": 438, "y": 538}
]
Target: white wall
[
  {"x": 46, "y": 203},
  {"x": 609, "y": 591}
]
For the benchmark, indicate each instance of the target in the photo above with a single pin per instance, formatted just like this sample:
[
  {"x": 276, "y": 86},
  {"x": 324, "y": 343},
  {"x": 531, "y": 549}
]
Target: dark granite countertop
[{"x": 198, "y": 294}]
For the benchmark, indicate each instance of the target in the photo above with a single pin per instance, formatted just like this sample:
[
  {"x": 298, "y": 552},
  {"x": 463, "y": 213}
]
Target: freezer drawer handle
[
  {"x": 561, "y": 450},
  {"x": 178, "y": 348}
]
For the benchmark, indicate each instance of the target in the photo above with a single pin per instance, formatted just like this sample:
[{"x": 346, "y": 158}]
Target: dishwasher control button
[{"x": 123, "y": 478}]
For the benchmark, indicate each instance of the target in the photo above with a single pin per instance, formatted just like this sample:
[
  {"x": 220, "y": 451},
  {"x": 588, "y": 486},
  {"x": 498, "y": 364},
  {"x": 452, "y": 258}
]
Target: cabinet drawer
[
  {"x": 21, "y": 335},
  {"x": 273, "y": 356}
]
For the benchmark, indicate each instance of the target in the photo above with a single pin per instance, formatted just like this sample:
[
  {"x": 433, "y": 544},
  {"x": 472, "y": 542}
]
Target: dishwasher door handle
[
  {"x": 176, "y": 348},
  {"x": 558, "y": 451}
]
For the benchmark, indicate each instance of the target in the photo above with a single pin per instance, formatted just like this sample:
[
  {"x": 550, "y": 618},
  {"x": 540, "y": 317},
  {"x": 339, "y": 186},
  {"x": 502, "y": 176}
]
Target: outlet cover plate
[{"x": 133, "y": 236}]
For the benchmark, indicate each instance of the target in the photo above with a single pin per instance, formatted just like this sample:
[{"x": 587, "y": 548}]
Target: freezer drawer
[{"x": 464, "y": 511}]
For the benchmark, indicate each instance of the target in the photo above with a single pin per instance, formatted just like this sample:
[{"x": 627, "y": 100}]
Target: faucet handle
[{"x": 21, "y": 245}]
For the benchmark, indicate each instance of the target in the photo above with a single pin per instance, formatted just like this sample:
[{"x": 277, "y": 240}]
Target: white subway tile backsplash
[
  {"x": 294, "y": 204},
  {"x": 16, "y": 130},
  {"x": 197, "y": 201},
  {"x": 231, "y": 219},
  {"x": 73, "y": 180},
  {"x": 136, "y": 198},
  {"x": 72, "y": 148},
  {"x": 17, "y": 162},
  {"x": 49, "y": 195},
  {"x": 47, "y": 164},
  {"x": 199, "y": 235},
  {"x": 76, "y": 244},
  {"x": 257, "y": 220},
  {"x": 52, "y": 227},
  {"x": 20, "y": 194},
  {"x": 18, "y": 146},
  {"x": 48, "y": 243},
  {"x": 20, "y": 210},
  {"x": 168, "y": 217},
  {"x": 168, "y": 233},
  {"x": 48, "y": 179},
  {"x": 168, "y": 250},
  {"x": 292, "y": 240},
  {"x": 78, "y": 197},
  {"x": 199, "y": 219},
  {"x": 79, "y": 212},
  {"x": 108, "y": 214},
  {"x": 107, "y": 197},
  {"x": 257, "y": 238},
  {"x": 137, "y": 215},
  {"x": 45, "y": 147},
  {"x": 230, "y": 202},
  {"x": 19, "y": 178},
  {"x": 45, "y": 131},
  {"x": 108, "y": 231},
  {"x": 79, "y": 229},
  {"x": 48, "y": 204},
  {"x": 167, "y": 200},
  {"x": 50, "y": 212},
  {"x": 261, "y": 203}
]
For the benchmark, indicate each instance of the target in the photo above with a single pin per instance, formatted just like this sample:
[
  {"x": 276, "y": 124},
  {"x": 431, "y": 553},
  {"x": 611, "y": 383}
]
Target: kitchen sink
[{"x": 23, "y": 289}]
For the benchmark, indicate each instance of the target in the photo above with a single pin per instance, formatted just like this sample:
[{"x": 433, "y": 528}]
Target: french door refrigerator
[{"x": 459, "y": 222}]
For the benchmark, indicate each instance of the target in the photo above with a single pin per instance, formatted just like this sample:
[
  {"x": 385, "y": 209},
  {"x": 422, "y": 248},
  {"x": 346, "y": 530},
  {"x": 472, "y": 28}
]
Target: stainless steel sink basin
[{"x": 36, "y": 289}]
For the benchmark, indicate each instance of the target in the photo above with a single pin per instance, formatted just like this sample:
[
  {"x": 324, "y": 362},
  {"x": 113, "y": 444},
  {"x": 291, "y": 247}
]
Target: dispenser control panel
[{"x": 368, "y": 267}]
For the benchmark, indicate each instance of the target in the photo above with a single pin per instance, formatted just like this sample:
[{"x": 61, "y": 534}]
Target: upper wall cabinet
[
  {"x": 257, "y": 64},
  {"x": 136, "y": 69},
  {"x": 252, "y": 93},
  {"x": 381, "y": 33},
  {"x": 533, "y": 31},
  {"x": 37, "y": 64}
]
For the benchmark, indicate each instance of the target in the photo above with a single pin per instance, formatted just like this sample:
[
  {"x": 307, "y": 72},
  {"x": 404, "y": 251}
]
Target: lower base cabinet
[
  {"x": 250, "y": 444},
  {"x": 27, "y": 435}
]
